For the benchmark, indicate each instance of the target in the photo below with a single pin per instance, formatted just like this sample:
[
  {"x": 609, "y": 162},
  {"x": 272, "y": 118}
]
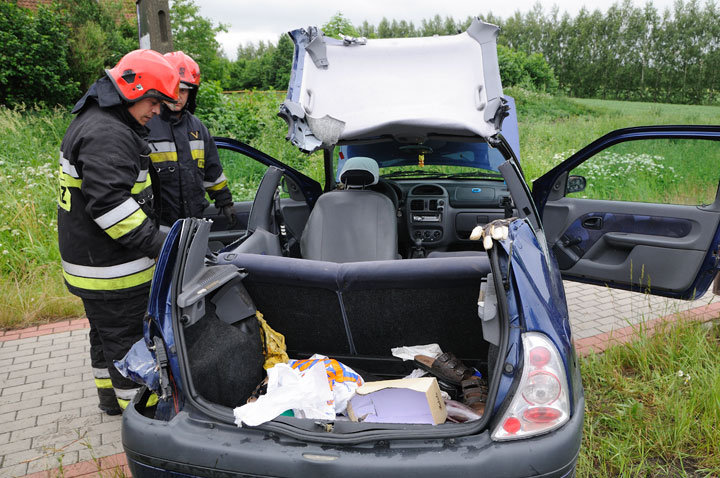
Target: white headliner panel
[{"x": 400, "y": 86}]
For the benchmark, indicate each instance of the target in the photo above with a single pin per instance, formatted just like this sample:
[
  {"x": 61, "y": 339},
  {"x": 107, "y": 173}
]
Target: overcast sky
[{"x": 254, "y": 20}]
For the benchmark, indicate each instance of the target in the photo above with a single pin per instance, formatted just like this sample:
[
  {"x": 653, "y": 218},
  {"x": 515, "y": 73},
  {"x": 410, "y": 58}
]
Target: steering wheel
[{"x": 389, "y": 189}]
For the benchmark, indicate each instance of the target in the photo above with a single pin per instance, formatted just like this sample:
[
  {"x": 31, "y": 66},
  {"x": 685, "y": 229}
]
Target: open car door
[
  {"x": 637, "y": 209},
  {"x": 247, "y": 165}
]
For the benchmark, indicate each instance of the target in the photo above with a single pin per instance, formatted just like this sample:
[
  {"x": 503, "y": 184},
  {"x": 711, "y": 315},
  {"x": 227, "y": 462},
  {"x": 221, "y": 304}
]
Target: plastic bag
[
  {"x": 317, "y": 387},
  {"x": 274, "y": 344},
  {"x": 342, "y": 379},
  {"x": 139, "y": 366},
  {"x": 307, "y": 394},
  {"x": 410, "y": 351}
]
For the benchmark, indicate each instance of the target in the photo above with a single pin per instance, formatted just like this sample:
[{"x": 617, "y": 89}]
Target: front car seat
[{"x": 353, "y": 224}]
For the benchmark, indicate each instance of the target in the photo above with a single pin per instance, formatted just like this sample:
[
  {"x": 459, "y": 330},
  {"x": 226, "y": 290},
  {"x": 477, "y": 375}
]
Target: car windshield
[{"x": 431, "y": 158}]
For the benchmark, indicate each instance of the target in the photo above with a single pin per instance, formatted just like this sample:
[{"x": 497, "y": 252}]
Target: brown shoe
[
  {"x": 446, "y": 367},
  {"x": 475, "y": 393}
]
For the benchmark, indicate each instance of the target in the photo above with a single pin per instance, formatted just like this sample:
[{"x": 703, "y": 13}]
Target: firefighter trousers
[{"x": 115, "y": 325}]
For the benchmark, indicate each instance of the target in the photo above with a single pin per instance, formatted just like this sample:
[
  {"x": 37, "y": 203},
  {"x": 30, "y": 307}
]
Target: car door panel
[
  {"x": 663, "y": 249},
  {"x": 629, "y": 239},
  {"x": 220, "y": 231},
  {"x": 251, "y": 164}
]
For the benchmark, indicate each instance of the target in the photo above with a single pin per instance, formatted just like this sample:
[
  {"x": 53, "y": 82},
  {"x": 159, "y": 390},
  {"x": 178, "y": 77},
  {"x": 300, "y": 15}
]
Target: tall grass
[
  {"x": 546, "y": 140},
  {"x": 668, "y": 171},
  {"x": 31, "y": 286},
  {"x": 653, "y": 406}
]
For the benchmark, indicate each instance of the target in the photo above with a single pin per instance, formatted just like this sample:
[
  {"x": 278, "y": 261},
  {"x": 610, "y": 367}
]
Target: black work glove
[{"x": 231, "y": 218}]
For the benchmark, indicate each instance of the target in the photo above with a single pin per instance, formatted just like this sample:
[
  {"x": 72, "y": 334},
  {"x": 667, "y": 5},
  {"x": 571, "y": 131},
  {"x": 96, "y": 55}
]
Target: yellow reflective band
[
  {"x": 110, "y": 284},
  {"x": 123, "y": 403},
  {"x": 217, "y": 187},
  {"x": 103, "y": 383},
  {"x": 69, "y": 181},
  {"x": 138, "y": 187},
  {"x": 162, "y": 157},
  {"x": 199, "y": 156},
  {"x": 152, "y": 400},
  {"x": 131, "y": 222},
  {"x": 64, "y": 196}
]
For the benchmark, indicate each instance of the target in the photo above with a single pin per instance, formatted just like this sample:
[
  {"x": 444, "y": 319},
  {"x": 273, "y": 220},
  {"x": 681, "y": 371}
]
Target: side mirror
[{"x": 575, "y": 184}]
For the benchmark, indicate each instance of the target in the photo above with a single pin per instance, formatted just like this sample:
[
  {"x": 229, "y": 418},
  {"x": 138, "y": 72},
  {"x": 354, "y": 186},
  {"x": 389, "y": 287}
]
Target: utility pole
[{"x": 154, "y": 25}]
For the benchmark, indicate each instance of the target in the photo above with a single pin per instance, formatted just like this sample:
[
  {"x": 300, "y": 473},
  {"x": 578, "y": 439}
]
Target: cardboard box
[{"x": 409, "y": 400}]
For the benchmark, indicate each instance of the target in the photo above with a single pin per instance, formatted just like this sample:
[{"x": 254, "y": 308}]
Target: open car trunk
[{"x": 352, "y": 312}]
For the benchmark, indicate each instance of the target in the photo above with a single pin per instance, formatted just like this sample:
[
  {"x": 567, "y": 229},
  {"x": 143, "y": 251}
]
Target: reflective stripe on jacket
[
  {"x": 188, "y": 166},
  {"x": 106, "y": 222}
]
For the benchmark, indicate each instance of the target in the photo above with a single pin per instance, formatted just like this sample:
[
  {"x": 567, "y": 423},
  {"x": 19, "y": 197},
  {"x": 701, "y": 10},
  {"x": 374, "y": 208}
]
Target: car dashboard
[{"x": 439, "y": 215}]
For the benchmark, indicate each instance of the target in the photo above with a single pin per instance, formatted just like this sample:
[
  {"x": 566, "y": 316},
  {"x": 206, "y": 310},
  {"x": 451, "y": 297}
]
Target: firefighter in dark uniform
[
  {"x": 107, "y": 229},
  {"x": 184, "y": 154}
]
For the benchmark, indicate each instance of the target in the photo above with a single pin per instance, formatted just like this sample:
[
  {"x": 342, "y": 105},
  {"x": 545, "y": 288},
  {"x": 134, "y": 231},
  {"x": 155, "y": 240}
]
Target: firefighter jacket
[
  {"x": 187, "y": 163},
  {"x": 106, "y": 221}
]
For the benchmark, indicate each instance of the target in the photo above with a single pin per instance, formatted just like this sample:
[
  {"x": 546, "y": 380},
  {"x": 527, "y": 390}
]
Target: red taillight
[
  {"x": 341, "y": 155},
  {"x": 541, "y": 414},
  {"x": 539, "y": 356},
  {"x": 512, "y": 425}
]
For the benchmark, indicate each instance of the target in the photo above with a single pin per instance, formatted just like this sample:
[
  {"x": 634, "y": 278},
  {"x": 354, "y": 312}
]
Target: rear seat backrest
[
  {"x": 414, "y": 302},
  {"x": 298, "y": 298},
  {"x": 367, "y": 308}
]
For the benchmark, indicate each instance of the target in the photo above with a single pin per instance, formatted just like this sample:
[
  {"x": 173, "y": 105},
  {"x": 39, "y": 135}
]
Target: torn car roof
[{"x": 409, "y": 88}]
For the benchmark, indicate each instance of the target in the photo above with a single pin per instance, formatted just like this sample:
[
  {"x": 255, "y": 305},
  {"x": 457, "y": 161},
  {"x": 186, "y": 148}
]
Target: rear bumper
[{"x": 186, "y": 446}]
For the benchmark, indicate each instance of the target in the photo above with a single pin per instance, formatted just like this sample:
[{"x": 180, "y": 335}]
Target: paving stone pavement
[
  {"x": 594, "y": 309},
  {"x": 48, "y": 403}
]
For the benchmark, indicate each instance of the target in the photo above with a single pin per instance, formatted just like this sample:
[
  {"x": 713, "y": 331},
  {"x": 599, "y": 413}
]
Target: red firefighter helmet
[
  {"x": 187, "y": 68},
  {"x": 145, "y": 73}
]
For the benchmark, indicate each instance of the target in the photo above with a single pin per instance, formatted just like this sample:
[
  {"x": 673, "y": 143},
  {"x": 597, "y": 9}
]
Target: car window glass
[
  {"x": 243, "y": 174},
  {"x": 431, "y": 156},
  {"x": 665, "y": 171}
]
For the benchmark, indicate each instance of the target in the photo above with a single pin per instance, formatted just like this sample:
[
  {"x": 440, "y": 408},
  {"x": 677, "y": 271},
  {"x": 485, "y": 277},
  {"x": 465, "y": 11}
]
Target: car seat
[{"x": 352, "y": 224}]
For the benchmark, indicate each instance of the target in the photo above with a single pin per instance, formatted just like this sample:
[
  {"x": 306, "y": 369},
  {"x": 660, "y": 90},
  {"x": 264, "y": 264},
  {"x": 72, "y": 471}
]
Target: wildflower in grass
[{"x": 685, "y": 376}]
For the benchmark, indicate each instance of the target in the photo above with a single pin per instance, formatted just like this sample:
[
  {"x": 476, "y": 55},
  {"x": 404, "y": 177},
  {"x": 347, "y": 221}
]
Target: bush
[
  {"x": 34, "y": 64},
  {"x": 100, "y": 36},
  {"x": 226, "y": 115},
  {"x": 517, "y": 68}
]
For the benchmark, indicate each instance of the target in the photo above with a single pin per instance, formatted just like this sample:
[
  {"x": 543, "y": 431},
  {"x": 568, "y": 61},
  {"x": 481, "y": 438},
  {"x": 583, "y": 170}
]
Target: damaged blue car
[{"x": 424, "y": 231}]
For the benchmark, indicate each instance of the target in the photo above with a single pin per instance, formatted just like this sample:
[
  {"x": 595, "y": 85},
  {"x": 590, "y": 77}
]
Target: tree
[
  {"x": 195, "y": 35},
  {"x": 99, "y": 35},
  {"x": 34, "y": 64},
  {"x": 281, "y": 62},
  {"x": 337, "y": 25}
]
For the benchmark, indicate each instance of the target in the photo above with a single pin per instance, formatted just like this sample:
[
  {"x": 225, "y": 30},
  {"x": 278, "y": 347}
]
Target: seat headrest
[{"x": 360, "y": 171}]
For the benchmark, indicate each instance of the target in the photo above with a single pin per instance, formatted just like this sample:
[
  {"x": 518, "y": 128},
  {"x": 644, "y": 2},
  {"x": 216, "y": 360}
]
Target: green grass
[
  {"x": 31, "y": 286},
  {"x": 653, "y": 406},
  {"x": 546, "y": 140},
  {"x": 668, "y": 171}
]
